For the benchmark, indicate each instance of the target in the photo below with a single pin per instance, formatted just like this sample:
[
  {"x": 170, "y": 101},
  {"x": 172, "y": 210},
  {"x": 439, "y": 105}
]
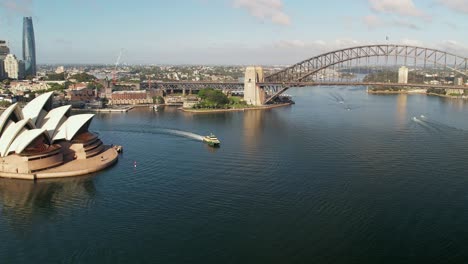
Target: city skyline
[{"x": 227, "y": 32}]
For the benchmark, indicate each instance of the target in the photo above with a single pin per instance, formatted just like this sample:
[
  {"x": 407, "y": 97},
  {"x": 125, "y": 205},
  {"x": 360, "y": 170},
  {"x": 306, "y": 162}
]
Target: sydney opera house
[{"x": 39, "y": 142}]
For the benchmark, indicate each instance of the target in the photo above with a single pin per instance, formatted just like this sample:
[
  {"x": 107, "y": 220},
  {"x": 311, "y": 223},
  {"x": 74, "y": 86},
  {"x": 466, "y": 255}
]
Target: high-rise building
[
  {"x": 403, "y": 75},
  {"x": 29, "y": 47},
  {"x": 21, "y": 70},
  {"x": 60, "y": 69},
  {"x": 12, "y": 66},
  {"x": 2, "y": 70},
  {"x": 4, "y": 50}
]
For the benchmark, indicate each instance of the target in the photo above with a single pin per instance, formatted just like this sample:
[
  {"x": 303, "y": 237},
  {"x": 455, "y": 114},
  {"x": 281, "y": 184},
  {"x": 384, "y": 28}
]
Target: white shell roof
[
  {"x": 73, "y": 124},
  {"x": 26, "y": 138},
  {"x": 33, "y": 109},
  {"x": 54, "y": 119},
  {"x": 7, "y": 114},
  {"x": 10, "y": 134},
  {"x": 20, "y": 127}
]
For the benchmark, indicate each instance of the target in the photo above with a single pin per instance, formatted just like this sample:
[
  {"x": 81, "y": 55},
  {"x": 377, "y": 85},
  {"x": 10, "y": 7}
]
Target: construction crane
[{"x": 117, "y": 62}]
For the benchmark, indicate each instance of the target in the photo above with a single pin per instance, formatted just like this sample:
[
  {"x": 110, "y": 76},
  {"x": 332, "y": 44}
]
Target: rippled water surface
[{"x": 340, "y": 177}]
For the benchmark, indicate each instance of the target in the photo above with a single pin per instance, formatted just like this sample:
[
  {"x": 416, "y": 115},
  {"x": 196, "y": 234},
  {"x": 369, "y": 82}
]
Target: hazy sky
[{"x": 227, "y": 31}]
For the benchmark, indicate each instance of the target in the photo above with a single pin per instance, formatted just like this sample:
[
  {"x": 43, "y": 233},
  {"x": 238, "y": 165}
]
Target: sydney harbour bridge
[{"x": 387, "y": 65}]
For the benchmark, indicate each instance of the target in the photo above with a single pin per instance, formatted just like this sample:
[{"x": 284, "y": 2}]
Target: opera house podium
[{"x": 39, "y": 142}]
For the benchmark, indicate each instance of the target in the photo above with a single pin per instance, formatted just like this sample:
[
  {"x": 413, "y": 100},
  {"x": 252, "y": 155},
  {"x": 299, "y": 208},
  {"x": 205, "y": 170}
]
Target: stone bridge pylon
[{"x": 253, "y": 94}]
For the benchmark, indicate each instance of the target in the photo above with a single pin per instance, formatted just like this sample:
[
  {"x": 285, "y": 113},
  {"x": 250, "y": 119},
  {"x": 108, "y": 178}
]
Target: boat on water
[
  {"x": 211, "y": 140},
  {"x": 154, "y": 107}
]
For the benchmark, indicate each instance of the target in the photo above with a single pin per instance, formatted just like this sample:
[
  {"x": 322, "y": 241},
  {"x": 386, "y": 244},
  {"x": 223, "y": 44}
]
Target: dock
[{"x": 107, "y": 110}]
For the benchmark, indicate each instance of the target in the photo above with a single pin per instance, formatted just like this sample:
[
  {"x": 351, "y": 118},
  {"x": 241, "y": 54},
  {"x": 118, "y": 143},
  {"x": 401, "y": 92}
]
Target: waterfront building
[
  {"x": 12, "y": 67},
  {"x": 29, "y": 47},
  {"x": 455, "y": 92},
  {"x": 403, "y": 75},
  {"x": 82, "y": 94},
  {"x": 459, "y": 81},
  {"x": 4, "y": 50},
  {"x": 40, "y": 141},
  {"x": 131, "y": 98}
]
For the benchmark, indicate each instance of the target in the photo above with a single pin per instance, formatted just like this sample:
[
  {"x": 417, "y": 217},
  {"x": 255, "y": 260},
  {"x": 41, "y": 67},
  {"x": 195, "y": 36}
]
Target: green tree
[
  {"x": 56, "y": 76},
  {"x": 212, "y": 98},
  {"x": 105, "y": 102},
  {"x": 94, "y": 85},
  {"x": 158, "y": 100},
  {"x": 83, "y": 77},
  {"x": 436, "y": 91},
  {"x": 203, "y": 93},
  {"x": 56, "y": 87},
  {"x": 4, "y": 103}
]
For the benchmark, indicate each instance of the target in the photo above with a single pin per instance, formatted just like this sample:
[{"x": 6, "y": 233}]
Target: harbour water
[{"x": 340, "y": 177}]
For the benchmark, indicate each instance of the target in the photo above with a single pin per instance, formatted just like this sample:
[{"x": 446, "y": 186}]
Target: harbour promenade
[{"x": 71, "y": 168}]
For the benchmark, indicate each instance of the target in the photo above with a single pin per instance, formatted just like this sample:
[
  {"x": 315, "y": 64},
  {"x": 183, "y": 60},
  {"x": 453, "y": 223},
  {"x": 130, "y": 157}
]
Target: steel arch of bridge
[{"x": 299, "y": 72}]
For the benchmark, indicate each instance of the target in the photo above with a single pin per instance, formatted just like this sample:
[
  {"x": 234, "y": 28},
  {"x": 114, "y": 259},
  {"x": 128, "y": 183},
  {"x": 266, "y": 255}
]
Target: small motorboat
[{"x": 211, "y": 140}]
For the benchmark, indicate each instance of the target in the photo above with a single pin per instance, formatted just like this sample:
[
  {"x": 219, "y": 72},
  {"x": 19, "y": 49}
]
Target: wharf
[
  {"x": 207, "y": 111},
  {"x": 108, "y": 110}
]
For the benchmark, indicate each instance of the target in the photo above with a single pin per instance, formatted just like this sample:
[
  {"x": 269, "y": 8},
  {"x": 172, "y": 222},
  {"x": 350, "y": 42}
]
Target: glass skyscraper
[{"x": 29, "y": 47}]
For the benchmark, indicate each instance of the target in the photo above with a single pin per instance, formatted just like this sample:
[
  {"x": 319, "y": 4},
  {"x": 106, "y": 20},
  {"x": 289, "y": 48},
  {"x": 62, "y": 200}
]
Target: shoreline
[
  {"x": 448, "y": 96},
  {"x": 394, "y": 92},
  {"x": 207, "y": 111},
  {"x": 422, "y": 93},
  {"x": 122, "y": 109}
]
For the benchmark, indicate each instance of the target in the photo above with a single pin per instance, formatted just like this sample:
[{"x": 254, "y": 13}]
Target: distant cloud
[
  {"x": 290, "y": 44},
  {"x": 398, "y": 7},
  {"x": 63, "y": 42},
  {"x": 411, "y": 42},
  {"x": 374, "y": 22},
  {"x": 405, "y": 24},
  {"x": 23, "y": 7},
  {"x": 327, "y": 46},
  {"x": 456, "y": 5},
  {"x": 454, "y": 47},
  {"x": 266, "y": 10},
  {"x": 317, "y": 45},
  {"x": 451, "y": 25}
]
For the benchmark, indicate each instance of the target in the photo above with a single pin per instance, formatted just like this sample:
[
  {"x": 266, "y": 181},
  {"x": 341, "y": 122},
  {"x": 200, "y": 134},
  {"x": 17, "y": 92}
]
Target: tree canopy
[
  {"x": 94, "y": 85},
  {"x": 83, "y": 77},
  {"x": 56, "y": 76},
  {"x": 4, "y": 103},
  {"x": 213, "y": 97}
]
